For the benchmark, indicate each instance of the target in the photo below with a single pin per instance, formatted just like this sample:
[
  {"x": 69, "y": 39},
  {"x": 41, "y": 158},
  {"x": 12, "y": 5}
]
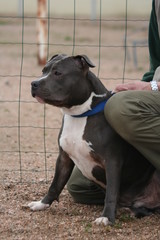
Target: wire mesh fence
[{"x": 28, "y": 130}]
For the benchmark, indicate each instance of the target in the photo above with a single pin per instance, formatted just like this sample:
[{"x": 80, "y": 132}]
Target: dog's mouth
[
  {"x": 40, "y": 100},
  {"x": 56, "y": 103}
]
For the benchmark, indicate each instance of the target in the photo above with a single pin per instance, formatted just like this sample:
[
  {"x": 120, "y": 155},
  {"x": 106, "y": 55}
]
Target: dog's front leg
[
  {"x": 113, "y": 175},
  {"x": 64, "y": 167}
]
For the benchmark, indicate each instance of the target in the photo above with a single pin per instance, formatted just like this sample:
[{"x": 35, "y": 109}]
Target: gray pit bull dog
[{"x": 88, "y": 141}]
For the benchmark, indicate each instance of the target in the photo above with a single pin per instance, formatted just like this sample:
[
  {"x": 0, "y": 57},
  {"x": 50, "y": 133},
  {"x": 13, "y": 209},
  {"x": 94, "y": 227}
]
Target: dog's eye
[
  {"x": 57, "y": 73},
  {"x": 44, "y": 70}
]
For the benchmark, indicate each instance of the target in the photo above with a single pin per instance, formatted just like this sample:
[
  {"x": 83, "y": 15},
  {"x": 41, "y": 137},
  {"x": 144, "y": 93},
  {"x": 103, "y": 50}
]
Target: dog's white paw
[
  {"x": 38, "y": 206},
  {"x": 102, "y": 221}
]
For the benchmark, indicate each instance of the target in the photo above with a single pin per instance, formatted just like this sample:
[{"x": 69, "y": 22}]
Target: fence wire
[{"x": 22, "y": 125}]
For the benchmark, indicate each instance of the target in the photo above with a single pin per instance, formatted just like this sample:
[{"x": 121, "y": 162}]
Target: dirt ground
[{"x": 28, "y": 152}]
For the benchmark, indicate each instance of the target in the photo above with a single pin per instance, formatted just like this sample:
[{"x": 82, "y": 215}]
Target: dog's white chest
[{"x": 78, "y": 149}]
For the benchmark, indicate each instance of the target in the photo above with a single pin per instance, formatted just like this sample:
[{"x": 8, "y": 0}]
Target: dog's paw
[
  {"x": 38, "y": 206},
  {"x": 102, "y": 221}
]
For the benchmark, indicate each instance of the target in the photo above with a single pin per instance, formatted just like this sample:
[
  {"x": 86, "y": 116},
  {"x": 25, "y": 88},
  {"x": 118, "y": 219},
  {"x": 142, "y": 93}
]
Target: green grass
[
  {"x": 3, "y": 22},
  {"x": 88, "y": 227},
  {"x": 125, "y": 217}
]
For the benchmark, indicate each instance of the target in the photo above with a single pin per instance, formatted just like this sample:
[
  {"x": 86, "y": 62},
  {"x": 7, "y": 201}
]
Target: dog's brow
[{"x": 44, "y": 69}]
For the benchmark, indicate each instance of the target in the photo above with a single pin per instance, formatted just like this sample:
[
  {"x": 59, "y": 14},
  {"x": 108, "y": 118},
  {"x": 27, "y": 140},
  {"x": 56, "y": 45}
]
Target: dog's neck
[
  {"x": 99, "y": 93},
  {"x": 84, "y": 107}
]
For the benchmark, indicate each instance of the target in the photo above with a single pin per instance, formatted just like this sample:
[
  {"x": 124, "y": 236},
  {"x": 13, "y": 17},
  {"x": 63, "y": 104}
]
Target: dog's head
[{"x": 64, "y": 81}]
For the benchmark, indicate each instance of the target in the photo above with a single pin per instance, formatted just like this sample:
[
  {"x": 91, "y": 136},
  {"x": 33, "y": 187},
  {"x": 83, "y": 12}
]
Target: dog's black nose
[{"x": 35, "y": 84}]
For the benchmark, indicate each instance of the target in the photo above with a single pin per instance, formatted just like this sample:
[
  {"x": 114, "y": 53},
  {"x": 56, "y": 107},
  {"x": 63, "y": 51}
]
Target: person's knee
[
  {"x": 83, "y": 190},
  {"x": 74, "y": 191},
  {"x": 120, "y": 113},
  {"x": 77, "y": 185},
  {"x": 114, "y": 108},
  {"x": 71, "y": 187}
]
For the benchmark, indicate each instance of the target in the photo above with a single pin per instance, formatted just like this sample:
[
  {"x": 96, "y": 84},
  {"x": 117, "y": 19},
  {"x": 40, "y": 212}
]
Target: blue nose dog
[{"x": 87, "y": 141}]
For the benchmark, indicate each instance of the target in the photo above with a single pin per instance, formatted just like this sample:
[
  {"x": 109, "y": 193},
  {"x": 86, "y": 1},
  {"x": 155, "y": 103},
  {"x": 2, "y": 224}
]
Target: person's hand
[{"x": 133, "y": 86}]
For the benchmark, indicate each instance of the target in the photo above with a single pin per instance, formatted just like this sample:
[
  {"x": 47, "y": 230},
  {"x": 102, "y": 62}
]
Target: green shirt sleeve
[{"x": 154, "y": 45}]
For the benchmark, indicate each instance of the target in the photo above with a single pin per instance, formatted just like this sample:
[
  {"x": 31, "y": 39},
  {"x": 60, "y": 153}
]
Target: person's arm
[{"x": 153, "y": 41}]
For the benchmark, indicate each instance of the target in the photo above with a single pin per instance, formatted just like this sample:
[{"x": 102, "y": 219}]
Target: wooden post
[{"x": 42, "y": 32}]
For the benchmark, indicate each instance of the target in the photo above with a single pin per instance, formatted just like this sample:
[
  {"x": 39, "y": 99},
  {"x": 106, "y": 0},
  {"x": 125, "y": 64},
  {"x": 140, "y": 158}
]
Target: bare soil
[{"x": 28, "y": 152}]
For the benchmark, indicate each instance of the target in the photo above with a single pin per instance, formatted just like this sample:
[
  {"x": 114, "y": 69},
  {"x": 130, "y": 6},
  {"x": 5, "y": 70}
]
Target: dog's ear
[
  {"x": 52, "y": 57},
  {"x": 83, "y": 62}
]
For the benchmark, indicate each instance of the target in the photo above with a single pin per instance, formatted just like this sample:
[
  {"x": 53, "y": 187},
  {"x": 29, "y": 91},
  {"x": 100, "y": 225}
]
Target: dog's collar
[{"x": 97, "y": 109}]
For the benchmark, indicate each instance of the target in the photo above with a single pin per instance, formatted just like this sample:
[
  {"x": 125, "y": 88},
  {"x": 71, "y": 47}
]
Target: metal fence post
[{"x": 42, "y": 31}]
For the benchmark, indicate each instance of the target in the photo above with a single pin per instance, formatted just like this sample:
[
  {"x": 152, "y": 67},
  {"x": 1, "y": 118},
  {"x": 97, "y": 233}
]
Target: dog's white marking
[
  {"x": 79, "y": 109},
  {"x": 138, "y": 204},
  {"x": 72, "y": 142},
  {"x": 38, "y": 206},
  {"x": 102, "y": 221},
  {"x": 44, "y": 77}
]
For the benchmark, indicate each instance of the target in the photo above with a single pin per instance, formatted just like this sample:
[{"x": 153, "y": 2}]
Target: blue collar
[{"x": 98, "y": 108}]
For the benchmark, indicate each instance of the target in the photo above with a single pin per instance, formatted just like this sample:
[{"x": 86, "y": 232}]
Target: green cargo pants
[{"x": 135, "y": 115}]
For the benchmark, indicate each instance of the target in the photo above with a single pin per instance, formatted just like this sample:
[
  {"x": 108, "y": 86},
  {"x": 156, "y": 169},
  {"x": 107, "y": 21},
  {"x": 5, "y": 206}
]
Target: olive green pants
[{"x": 135, "y": 116}]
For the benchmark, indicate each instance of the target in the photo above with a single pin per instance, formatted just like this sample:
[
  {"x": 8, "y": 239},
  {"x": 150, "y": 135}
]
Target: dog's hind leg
[{"x": 149, "y": 200}]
